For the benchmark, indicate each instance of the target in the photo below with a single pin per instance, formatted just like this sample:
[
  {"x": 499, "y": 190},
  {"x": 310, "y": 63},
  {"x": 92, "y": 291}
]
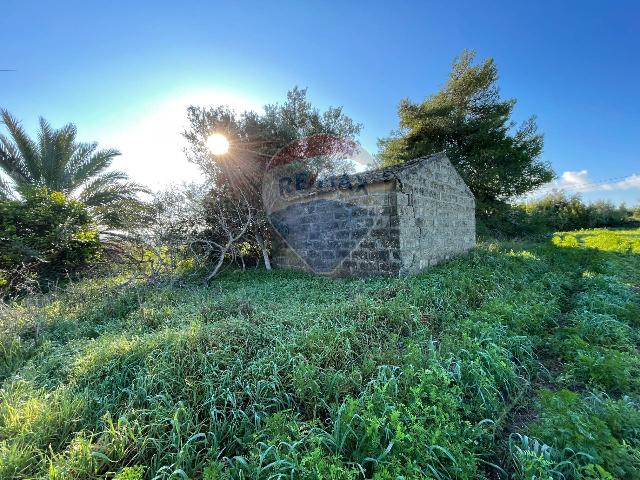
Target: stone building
[{"x": 396, "y": 220}]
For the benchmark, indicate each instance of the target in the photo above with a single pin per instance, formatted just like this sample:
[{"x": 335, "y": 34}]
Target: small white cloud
[
  {"x": 579, "y": 181},
  {"x": 632, "y": 181},
  {"x": 574, "y": 179}
]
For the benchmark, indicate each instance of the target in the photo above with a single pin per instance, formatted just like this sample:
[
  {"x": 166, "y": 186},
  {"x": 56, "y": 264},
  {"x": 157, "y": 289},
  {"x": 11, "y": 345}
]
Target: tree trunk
[
  {"x": 215, "y": 270},
  {"x": 265, "y": 254}
]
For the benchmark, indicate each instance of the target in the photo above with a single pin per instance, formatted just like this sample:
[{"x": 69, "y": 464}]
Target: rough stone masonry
[{"x": 396, "y": 220}]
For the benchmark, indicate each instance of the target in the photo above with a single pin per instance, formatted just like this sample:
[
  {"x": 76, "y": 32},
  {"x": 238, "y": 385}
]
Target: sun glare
[{"x": 218, "y": 144}]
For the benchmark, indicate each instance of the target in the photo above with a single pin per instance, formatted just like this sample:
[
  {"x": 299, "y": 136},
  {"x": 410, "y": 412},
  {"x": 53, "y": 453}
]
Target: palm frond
[
  {"x": 86, "y": 163},
  {"x": 47, "y": 152},
  {"x": 24, "y": 146},
  {"x": 11, "y": 162},
  {"x": 6, "y": 190},
  {"x": 114, "y": 202},
  {"x": 110, "y": 187},
  {"x": 82, "y": 152},
  {"x": 57, "y": 161},
  {"x": 56, "y": 150}
]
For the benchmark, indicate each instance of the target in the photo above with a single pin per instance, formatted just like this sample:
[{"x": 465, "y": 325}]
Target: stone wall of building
[
  {"x": 437, "y": 214},
  {"x": 347, "y": 231},
  {"x": 393, "y": 221}
]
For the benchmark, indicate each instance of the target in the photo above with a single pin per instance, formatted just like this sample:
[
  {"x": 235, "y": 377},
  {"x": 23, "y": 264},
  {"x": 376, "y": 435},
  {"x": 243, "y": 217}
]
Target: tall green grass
[{"x": 519, "y": 360}]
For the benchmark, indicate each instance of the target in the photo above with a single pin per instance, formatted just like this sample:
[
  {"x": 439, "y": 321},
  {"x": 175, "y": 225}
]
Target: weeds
[{"x": 519, "y": 360}]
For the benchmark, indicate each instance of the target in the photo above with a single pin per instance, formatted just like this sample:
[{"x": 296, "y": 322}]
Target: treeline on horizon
[{"x": 556, "y": 211}]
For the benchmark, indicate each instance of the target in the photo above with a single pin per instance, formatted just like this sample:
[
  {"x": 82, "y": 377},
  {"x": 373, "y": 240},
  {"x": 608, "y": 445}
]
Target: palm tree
[{"x": 57, "y": 161}]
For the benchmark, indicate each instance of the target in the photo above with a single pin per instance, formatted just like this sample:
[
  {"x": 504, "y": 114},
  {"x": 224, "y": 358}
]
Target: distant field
[
  {"x": 621, "y": 241},
  {"x": 519, "y": 360}
]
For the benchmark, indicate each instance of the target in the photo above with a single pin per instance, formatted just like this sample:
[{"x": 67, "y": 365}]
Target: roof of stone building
[{"x": 380, "y": 175}]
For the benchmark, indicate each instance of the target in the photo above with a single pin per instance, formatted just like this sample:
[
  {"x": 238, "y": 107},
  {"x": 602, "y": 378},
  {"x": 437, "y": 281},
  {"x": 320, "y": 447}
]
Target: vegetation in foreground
[{"x": 519, "y": 360}]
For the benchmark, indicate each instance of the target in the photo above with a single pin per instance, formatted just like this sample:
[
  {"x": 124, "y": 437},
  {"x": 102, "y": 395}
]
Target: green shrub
[
  {"x": 531, "y": 459},
  {"x": 45, "y": 235},
  {"x": 604, "y": 330},
  {"x": 130, "y": 473},
  {"x": 612, "y": 370},
  {"x": 591, "y": 432},
  {"x": 553, "y": 212}
]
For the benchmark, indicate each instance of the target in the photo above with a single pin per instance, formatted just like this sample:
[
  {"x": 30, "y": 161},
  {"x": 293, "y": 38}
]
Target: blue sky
[{"x": 125, "y": 71}]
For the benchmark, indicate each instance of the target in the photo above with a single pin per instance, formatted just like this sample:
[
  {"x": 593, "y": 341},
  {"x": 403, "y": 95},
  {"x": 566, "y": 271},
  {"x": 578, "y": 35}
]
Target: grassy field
[{"x": 519, "y": 360}]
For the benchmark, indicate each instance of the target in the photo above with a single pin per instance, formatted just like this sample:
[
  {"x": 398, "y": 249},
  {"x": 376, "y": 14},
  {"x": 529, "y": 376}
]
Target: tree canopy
[
  {"x": 255, "y": 137},
  {"x": 469, "y": 120},
  {"x": 56, "y": 161}
]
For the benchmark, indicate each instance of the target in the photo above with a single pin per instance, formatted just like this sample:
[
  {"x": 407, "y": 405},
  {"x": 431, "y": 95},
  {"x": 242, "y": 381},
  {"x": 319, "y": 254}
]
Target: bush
[
  {"x": 44, "y": 235},
  {"x": 600, "y": 431},
  {"x": 554, "y": 212}
]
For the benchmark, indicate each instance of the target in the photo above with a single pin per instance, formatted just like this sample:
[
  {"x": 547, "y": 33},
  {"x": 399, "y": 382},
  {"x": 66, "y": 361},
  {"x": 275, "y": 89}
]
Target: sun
[{"x": 218, "y": 144}]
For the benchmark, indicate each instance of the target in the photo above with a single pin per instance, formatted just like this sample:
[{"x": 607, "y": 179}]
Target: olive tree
[{"x": 254, "y": 137}]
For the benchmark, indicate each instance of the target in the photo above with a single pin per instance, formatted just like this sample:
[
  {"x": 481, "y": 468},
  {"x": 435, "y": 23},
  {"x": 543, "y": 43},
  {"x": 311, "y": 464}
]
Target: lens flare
[{"x": 218, "y": 144}]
